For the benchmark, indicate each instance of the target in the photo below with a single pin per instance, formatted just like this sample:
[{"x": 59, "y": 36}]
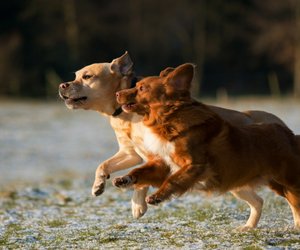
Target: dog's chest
[
  {"x": 157, "y": 146},
  {"x": 137, "y": 139}
]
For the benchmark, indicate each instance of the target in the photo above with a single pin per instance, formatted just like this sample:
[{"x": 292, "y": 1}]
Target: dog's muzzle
[{"x": 69, "y": 93}]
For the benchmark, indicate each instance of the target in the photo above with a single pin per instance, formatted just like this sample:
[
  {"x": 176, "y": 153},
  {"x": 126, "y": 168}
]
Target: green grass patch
[
  {"x": 201, "y": 215},
  {"x": 289, "y": 242},
  {"x": 11, "y": 229},
  {"x": 108, "y": 239},
  {"x": 56, "y": 223}
]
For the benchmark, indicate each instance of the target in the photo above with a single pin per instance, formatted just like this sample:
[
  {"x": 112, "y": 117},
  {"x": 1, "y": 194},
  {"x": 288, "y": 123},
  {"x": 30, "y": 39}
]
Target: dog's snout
[
  {"x": 64, "y": 85},
  {"x": 125, "y": 95}
]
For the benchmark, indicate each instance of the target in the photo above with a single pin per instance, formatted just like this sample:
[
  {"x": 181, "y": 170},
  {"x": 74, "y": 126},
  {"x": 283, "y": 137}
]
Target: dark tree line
[{"x": 243, "y": 47}]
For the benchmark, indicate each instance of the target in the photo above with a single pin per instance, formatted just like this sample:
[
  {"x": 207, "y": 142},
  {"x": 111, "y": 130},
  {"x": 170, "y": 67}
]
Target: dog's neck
[{"x": 172, "y": 119}]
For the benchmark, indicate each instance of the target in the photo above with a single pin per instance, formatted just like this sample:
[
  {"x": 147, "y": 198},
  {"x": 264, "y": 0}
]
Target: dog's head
[
  {"x": 171, "y": 85},
  {"x": 95, "y": 85}
]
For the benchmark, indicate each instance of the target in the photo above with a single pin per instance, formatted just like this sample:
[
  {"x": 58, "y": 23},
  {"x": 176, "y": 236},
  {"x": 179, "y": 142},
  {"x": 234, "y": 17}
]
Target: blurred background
[
  {"x": 241, "y": 48},
  {"x": 248, "y": 47}
]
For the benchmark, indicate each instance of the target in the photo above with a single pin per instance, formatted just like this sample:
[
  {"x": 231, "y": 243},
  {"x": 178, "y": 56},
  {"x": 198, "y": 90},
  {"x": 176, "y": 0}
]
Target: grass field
[{"x": 48, "y": 158}]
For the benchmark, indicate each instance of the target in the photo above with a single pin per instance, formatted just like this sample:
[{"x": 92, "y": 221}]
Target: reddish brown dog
[{"x": 193, "y": 146}]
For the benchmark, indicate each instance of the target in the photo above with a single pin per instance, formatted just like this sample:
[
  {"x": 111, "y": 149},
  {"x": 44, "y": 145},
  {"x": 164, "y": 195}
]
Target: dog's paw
[
  {"x": 98, "y": 187},
  {"x": 244, "y": 228},
  {"x": 153, "y": 199},
  {"x": 138, "y": 210},
  {"x": 123, "y": 182}
]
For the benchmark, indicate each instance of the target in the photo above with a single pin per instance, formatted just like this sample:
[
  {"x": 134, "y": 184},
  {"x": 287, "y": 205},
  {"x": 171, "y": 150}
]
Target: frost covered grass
[
  {"x": 48, "y": 157},
  {"x": 50, "y": 216}
]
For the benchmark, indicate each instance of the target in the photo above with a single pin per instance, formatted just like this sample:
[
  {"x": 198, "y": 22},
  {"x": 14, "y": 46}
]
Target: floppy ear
[
  {"x": 181, "y": 77},
  {"x": 166, "y": 71},
  {"x": 122, "y": 65}
]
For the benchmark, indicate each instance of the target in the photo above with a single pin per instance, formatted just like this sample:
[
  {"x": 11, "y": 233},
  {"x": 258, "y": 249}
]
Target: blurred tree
[
  {"x": 235, "y": 44},
  {"x": 167, "y": 33},
  {"x": 276, "y": 36},
  {"x": 10, "y": 47},
  {"x": 71, "y": 27},
  {"x": 229, "y": 64}
]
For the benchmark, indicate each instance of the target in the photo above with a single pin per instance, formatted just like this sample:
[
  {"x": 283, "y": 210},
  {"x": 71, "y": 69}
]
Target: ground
[{"x": 48, "y": 157}]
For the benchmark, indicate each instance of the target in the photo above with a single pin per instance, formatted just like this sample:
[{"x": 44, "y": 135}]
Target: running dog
[{"x": 191, "y": 145}]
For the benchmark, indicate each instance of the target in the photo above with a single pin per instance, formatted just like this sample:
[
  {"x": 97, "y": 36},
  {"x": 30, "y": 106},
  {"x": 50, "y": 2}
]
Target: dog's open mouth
[
  {"x": 77, "y": 99},
  {"x": 129, "y": 107}
]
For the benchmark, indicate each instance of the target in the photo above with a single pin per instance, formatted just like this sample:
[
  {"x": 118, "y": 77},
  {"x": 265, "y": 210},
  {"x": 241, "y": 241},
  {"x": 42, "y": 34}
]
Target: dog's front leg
[
  {"x": 178, "y": 183},
  {"x": 153, "y": 173},
  {"x": 121, "y": 160}
]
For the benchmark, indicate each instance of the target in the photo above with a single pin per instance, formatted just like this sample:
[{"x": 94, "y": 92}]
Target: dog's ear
[
  {"x": 122, "y": 65},
  {"x": 166, "y": 71},
  {"x": 181, "y": 77}
]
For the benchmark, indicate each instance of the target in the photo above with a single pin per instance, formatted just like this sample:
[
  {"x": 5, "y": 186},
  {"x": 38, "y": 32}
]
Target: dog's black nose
[{"x": 64, "y": 85}]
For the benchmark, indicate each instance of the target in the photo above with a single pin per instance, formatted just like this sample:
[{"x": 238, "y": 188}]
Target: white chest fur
[{"x": 157, "y": 146}]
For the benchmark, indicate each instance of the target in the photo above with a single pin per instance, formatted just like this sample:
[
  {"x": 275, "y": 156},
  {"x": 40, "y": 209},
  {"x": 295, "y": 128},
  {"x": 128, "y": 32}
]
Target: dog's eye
[
  {"x": 141, "y": 88},
  {"x": 86, "y": 77}
]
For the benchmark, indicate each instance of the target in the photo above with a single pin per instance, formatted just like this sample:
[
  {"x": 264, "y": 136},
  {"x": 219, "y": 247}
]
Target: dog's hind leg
[
  {"x": 293, "y": 198},
  {"x": 254, "y": 201}
]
